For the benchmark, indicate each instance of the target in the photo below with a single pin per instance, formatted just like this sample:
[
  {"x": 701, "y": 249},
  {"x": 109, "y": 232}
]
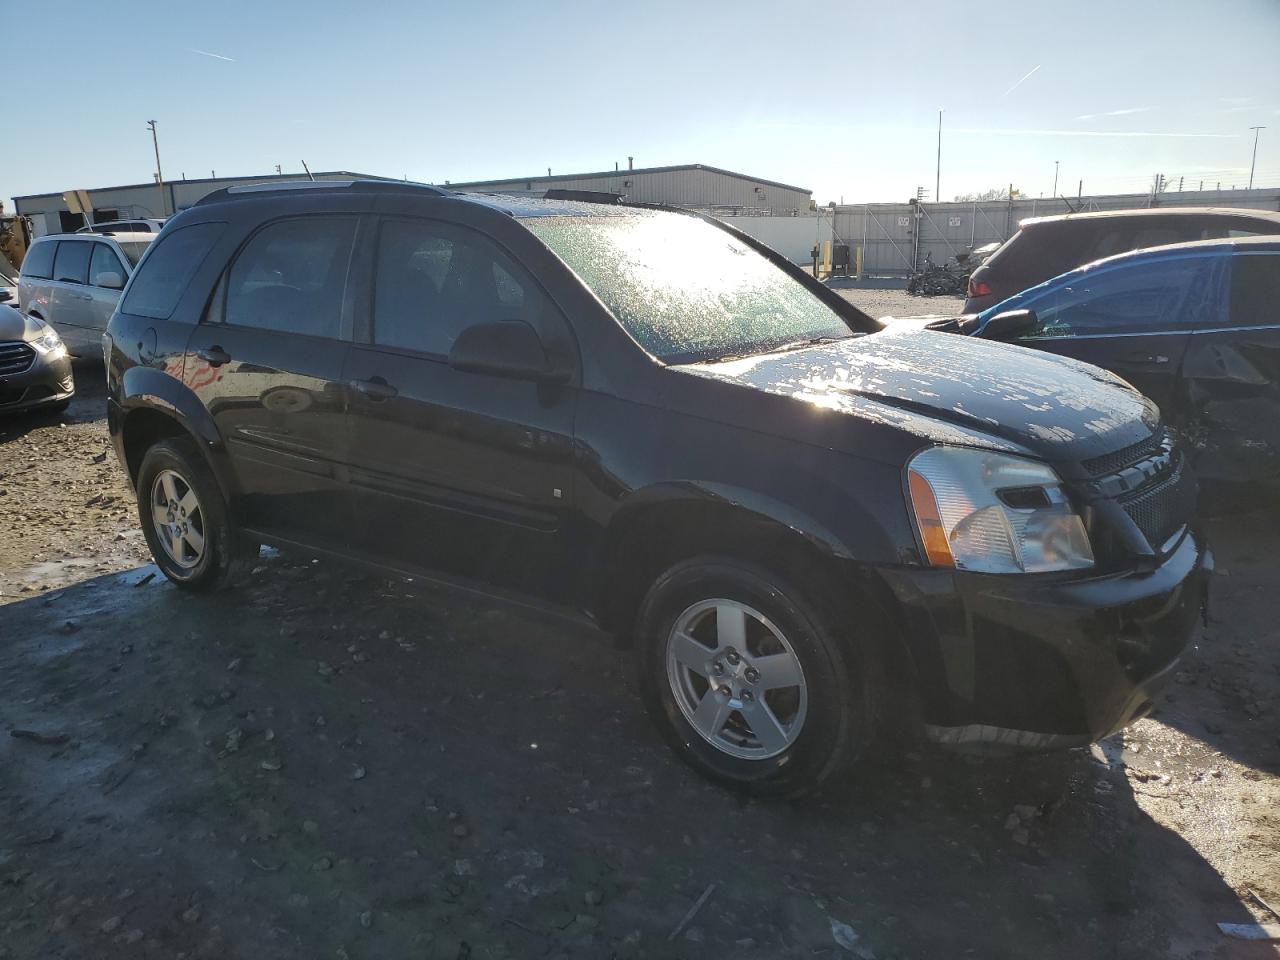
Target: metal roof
[
  {"x": 622, "y": 173},
  {"x": 264, "y": 176}
]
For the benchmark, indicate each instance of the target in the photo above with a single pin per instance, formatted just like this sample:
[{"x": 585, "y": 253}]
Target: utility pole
[
  {"x": 937, "y": 179},
  {"x": 155, "y": 142},
  {"x": 1254, "y": 161},
  {"x": 1055, "y": 178}
]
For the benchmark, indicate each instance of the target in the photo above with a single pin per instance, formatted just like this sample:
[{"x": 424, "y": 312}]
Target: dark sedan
[
  {"x": 1194, "y": 326},
  {"x": 35, "y": 370}
]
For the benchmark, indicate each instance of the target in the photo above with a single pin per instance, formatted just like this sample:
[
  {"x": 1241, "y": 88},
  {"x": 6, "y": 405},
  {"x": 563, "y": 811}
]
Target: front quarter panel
[{"x": 634, "y": 456}]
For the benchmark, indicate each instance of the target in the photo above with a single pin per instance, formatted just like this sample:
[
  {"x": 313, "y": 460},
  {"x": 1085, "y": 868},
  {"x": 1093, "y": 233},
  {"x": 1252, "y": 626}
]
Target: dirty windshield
[{"x": 687, "y": 290}]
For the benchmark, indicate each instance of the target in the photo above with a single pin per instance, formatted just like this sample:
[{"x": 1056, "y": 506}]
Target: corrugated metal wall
[{"x": 888, "y": 232}]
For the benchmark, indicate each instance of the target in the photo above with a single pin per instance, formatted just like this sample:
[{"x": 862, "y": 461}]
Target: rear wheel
[
  {"x": 185, "y": 520},
  {"x": 747, "y": 681}
]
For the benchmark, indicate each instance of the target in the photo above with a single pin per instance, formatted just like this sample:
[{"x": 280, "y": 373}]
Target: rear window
[
  {"x": 39, "y": 260},
  {"x": 1036, "y": 253},
  {"x": 159, "y": 283},
  {"x": 133, "y": 249},
  {"x": 71, "y": 262}
]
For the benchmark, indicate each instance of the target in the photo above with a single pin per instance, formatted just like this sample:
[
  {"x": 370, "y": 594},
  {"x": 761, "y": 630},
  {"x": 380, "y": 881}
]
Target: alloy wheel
[
  {"x": 736, "y": 679},
  {"x": 177, "y": 519}
]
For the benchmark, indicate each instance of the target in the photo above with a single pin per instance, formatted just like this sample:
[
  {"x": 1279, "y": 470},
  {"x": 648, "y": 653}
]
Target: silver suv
[{"x": 73, "y": 282}]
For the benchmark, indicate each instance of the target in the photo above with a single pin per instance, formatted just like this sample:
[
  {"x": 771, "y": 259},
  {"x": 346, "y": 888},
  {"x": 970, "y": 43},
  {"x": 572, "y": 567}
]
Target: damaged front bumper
[{"x": 1042, "y": 662}]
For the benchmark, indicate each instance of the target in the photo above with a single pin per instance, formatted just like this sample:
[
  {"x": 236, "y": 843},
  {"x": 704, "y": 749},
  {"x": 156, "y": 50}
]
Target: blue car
[{"x": 1194, "y": 326}]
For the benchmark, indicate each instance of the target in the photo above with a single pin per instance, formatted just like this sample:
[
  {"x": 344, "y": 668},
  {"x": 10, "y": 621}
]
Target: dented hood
[{"x": 951, "y": 389}]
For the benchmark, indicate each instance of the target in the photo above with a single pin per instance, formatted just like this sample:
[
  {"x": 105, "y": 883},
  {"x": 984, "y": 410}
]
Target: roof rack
[{"x": 292, "y": 186}]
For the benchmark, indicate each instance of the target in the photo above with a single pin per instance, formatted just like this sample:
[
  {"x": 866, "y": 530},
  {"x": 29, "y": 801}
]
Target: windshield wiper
[{"x": 810, "y": 342}]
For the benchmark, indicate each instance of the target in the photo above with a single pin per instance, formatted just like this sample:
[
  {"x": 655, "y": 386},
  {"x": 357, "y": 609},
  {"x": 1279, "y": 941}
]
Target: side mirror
[
  {"x": 5, "y": 295},
  {"x": 109, "y": 279},
  {"x": 504, "y": 348},
  {"x": 1009, "y": 325}
]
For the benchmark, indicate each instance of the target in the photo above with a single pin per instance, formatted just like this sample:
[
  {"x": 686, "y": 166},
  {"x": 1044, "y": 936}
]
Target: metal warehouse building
[
  {"x": 49, "y": 212},
  {"x": 692, "y": 185}
]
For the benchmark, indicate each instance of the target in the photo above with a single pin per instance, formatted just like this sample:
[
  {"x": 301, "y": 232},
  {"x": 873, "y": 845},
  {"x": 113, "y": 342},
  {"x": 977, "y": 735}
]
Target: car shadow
[
  {"x": 319, "y": 762},
  {"x": 1227, "y": 690}
]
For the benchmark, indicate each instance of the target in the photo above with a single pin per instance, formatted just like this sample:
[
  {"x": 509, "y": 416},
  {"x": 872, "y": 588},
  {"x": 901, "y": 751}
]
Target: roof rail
[{"x": 291, "y": 186}]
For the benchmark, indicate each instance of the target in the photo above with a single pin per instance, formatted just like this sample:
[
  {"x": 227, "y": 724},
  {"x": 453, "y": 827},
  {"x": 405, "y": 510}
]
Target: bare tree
[{"x": 995, "y": 193}]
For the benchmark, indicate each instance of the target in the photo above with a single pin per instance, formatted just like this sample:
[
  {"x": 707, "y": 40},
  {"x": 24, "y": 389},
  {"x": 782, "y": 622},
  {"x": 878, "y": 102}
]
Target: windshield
[
  {"x": 133, "y": 249},
  {"x": 685, "y": 289}
]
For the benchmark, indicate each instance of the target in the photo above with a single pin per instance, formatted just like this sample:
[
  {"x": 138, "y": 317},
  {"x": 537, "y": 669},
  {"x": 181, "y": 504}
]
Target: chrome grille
[{"x": 15, "y": 357}]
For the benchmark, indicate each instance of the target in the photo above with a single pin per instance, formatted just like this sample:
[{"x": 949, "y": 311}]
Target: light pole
[
  {"x": 1055, "y": 178},
  {"x": 155, "y": 142},
  {"x": 1254, "y": 161},
  {"x": 937, "y": 178}
]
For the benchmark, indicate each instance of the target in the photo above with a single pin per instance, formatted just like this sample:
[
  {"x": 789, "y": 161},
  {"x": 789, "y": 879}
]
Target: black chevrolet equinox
[{"x": 811, "y": 532}]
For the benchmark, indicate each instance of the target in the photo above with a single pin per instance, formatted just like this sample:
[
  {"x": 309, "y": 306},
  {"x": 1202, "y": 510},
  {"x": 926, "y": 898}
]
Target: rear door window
[
  {"x": 104, "y": 260},
  {"x": 71, "y": 263},
  {"x": 164, "y": 276},
  {"x": 38, "y": 262},
  {"x": 1255, "y": 289},
  {"x": 291, "y": 277}
]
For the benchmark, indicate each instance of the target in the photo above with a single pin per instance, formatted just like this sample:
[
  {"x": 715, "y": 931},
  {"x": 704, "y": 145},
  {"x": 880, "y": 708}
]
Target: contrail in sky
[
  {"x": 216, "y": 56},
  {"x": 1094, "y": 133},
  {"x": 1114, "y": 113},
  {"x": 1019, "y": 83}
]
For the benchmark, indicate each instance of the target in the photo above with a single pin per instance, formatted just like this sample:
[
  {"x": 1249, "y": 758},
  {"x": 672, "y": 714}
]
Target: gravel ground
[
  {"x": 320, "y": 764},
  {"x": 899, "y": 303}
]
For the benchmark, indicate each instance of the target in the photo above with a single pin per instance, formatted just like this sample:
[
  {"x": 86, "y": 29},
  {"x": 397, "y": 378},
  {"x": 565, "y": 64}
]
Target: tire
[
  {"x": 211, "y": 553},
  {"x": 834, "y": 705}
]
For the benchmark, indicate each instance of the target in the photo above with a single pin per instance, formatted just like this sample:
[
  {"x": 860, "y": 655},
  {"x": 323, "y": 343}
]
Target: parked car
[
  {"x": 73, "y": 281},
  {"x": 144, "y": 225},
  {"x": 35, "y": 372},
  {"x": 808, "y": 530},
  {"x": 1194, "y": 326},
  {"x": 1044, "y": 247}
]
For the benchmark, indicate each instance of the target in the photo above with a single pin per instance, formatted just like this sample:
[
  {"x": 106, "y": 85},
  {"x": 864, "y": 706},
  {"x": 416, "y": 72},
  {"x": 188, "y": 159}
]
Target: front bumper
[
  {"x": 1040, "y": 662},
  {"x": 46, "y": 381}
]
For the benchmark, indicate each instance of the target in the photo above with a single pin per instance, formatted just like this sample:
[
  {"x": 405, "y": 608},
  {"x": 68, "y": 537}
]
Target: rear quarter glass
[{"x": 169, "y": 266}]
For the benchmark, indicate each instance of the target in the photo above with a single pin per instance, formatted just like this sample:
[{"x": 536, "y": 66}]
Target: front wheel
[
  {"x": 748, "y": 682},
  {"x": 185, "y": 520}
]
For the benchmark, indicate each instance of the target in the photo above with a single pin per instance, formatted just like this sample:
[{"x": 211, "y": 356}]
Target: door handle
[
  {"x": 1156, "y": 358},
  {"x": 214, "y": 356},
  {"x": 374, "y": 388}
]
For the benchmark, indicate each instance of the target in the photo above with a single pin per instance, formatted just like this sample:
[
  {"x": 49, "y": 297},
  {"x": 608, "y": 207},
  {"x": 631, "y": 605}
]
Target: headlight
[
  {"x": 993, "y": 513},
  {"x": 49, "y": 343}
]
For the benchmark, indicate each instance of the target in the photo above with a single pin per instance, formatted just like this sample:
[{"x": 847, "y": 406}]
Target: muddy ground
[{"x": 322, "y": 764}]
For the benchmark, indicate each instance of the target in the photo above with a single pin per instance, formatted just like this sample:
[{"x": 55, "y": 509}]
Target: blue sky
[{"x": 839, "y": 97}]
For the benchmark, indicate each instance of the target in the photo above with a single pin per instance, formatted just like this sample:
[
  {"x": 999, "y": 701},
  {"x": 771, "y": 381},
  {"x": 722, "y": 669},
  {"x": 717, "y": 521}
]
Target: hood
[
  {"x": 949, "y": 389},
  {"x": 14, "y": 326}
]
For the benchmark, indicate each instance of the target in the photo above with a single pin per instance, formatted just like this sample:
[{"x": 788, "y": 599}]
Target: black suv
[{"x": 810, "y": 531}]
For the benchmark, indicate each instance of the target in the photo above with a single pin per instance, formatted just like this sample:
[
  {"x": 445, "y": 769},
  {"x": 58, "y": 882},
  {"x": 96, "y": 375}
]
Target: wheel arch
[
  {"x": 155, "y": 406},
  {"x": 664, "y": 525}
]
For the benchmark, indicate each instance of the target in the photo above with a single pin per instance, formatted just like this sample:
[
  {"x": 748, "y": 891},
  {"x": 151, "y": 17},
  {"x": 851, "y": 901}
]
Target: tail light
[{"x": 979, "y": 288}]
